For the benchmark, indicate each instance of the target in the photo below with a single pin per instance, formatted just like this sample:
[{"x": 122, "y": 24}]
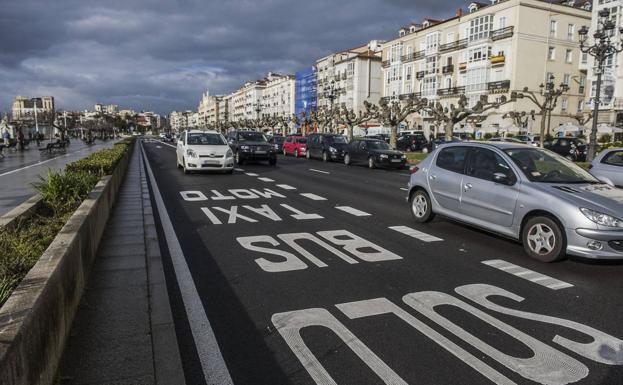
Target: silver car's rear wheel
[
  {"x": 543, "y": 239},
  {"x": 421, "y": 207}
]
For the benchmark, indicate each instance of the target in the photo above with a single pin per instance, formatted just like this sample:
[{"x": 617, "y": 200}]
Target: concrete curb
[
  {"x": 36, "y": 319},
  {"x": 23, "y": 211}
]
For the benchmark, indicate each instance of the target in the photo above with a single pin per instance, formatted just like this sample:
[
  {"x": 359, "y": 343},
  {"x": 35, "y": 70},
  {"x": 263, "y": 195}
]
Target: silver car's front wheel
[
  {"x": 421, "y": 207},
  {"x": 543, "y": 239}
]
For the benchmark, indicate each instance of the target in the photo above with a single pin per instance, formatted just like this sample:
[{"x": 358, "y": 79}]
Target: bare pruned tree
[
  {"x": 350, "y": 119},
  {"x": 520, "y": 118},
  {"x": 392, "y": 113}
]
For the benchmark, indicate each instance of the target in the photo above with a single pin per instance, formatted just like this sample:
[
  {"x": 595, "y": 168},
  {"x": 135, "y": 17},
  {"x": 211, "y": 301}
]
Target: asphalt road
[
  {"x": 315, "y": 273},
  {"x": 19, "y": 169}
]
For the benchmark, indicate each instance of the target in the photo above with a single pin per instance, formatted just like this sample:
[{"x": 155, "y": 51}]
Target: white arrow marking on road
[
  {"x": 286, "y": 187},
  {"x": 532, "y": 276},
  {"x": 266, "y": 179},
  {"x": 353, "y": 211},
  {"x": 415, "y": 234},
  {"x": 212, "y": 362},
  {"x": 320, "y": 171},
  {"x": 313, "y": 197}
]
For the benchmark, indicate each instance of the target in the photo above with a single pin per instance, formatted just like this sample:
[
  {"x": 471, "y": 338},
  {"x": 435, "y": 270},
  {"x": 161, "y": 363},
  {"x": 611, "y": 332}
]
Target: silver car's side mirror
[{"x": 501, "y": 178}]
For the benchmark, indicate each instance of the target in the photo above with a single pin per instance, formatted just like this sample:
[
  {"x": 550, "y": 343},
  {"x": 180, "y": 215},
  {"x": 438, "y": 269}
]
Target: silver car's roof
[{"x": 477, "y": 143}]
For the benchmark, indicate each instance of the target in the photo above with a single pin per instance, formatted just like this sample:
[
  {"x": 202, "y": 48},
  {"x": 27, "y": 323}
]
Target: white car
[
  {"x": 204, "y": 151},
  {"x": 608, "y": 166}
]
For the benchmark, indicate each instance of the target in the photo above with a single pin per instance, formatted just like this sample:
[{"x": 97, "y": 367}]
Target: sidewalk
[{"x": 123, "y": 332}]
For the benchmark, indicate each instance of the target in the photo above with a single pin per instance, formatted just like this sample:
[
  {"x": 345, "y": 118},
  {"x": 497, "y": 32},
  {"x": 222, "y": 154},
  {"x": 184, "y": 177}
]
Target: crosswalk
[{"x": 527, "y": 274}]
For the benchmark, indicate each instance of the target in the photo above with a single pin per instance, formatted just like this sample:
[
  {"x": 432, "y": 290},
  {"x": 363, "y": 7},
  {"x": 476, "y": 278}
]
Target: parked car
[
  {"x": 167, "y": 138},
  {"x": 202, "y": 151},
  {"x": 533, "y": 140},
  {"x": 326, "y": 147},
  {"x": 550, "y": 204},
  {"x": 411, "y": 142},
  {"x": 375, "y": 153},
  {"x": 441, "y": 141},
  {"x": 295, "y": 145},
  {"x": 383, "y": 137},
  {"x": 277, "y": 141},
  {"x": 251, "y": 145},
  {"x": 574, "y": 149},
  {"x": 608, "y": 166},
  {"x": 507, "y": 140}
]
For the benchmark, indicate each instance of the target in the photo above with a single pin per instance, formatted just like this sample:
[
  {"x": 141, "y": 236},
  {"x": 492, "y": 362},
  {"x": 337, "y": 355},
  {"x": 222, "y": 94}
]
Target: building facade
[
  {"x": 350, "y": 77},
  {"x": 491, "y": 49},
  {"x": 208, "y": 110},
  {"x": 306, "y": 99},
  {"x": 278, "y": 96},
  {"x": 23, "y": 107}
]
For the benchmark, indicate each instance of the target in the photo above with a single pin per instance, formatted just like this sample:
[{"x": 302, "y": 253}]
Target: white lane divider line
[
  {"x": 527, "y": 274},
  {"x": 286, "y": 187},
  {"x": 250, "y": 174},
  {"x": 239, "y": 170},
  {"x": 166, "y": 144},
  {"x": 313, "y": 197},
  {"x": 353, "y": 211},
  {"x": 212, "y": 363},
  {"x": 266, "y": 179},
  {"x": 416, "y": 234},
  {"x": 404, "y": 189},
  {"x": 320, "y": 171}
]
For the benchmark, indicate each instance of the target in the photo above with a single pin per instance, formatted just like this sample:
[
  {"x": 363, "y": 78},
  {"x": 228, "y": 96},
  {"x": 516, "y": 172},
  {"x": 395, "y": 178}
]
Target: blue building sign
[{"x": 305, "y": 91}]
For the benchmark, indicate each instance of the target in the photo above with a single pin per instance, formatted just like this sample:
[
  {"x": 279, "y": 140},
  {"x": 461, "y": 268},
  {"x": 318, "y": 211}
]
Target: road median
[{"x": 37, "y": 316}]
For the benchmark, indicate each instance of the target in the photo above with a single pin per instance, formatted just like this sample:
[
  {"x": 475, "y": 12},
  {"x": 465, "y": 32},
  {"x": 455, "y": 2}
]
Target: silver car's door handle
[
  {"x": 468, "y": 186},
  {"x": 433, "y": 177}
]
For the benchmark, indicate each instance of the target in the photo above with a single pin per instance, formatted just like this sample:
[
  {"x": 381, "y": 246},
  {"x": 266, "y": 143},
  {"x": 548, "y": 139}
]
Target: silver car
[
  {"x": 608, "y": 166},
  {"x": 526, "y": 193}
]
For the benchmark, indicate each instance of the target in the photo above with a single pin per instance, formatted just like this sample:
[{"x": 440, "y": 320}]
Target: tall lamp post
[
  {"x": 602, "y": 48},
  {"x": 35, "y": 100},
  {"x": 330, "y": 93}
]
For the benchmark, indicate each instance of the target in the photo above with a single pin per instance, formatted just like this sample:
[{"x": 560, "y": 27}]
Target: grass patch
[
  {"x": 62, "y": 193},
  {"x": 415, "y": 157}
]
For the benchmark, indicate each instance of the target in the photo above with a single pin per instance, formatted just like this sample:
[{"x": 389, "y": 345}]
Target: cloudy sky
[{"x": 161, "y": 55}]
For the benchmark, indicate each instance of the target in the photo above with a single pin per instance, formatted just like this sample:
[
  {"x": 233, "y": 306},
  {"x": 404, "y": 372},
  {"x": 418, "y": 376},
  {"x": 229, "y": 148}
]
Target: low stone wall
[
  {"x": 37, "y": 317},
  {"x": 23, "y": 211}
]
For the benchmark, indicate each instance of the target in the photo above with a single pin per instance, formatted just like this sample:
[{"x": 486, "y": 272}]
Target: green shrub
[
  {"x": 488, "y": 136},
  {"x": 64, "y": 191},
  {"x": 100, "y": 163},
  {"x": 605, "y": 138}
]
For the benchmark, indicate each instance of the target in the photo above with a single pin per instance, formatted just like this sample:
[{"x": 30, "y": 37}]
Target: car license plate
[
  {"x": 210, "y": 162},
  {"x": 396, "y": 160},
  {"x": 260, "y": 152}
]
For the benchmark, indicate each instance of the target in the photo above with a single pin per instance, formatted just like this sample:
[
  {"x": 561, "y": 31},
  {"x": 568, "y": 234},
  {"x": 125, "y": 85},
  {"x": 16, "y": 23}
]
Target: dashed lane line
[
  {"x": 212, "y": 363},
  {"x": 250, "y": 174},
  {"x": 313, "y": 197},
  {"x": 320, "y": 171},
  {"x": 266, "y": 179},
  {"x": 353, "y": 211},
  {"x": 286, "y": 187},
  {"x": 239, "y": 170},
  {"x": 404, "y": 189},
  {"x": 527, "y": 274},
  {"x": 416, "y": 234}
]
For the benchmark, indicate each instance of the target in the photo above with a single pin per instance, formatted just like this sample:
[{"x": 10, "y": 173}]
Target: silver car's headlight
[
  {"x": 191, "y": 153},
  {"x": 229, "y": 154},
  {"x": 601, "y": 218}
]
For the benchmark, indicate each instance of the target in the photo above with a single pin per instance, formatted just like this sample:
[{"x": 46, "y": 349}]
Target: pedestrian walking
[
  {"x": 6, "y": 136},
  {"x": 20, "y": 139}
]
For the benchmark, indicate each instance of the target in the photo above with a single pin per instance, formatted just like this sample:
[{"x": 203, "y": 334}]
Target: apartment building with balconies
[
  {"x": 490, "y": 49},
  {"x": 278, "y": 98},
  {"x": 208, "y": 110},
  {"x": 350, "y": 77}
]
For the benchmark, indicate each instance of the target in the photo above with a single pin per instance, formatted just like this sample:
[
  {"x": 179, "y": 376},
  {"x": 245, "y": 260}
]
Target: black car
[
  {"x": 251, "y": 145},
  {"x": 326, "y": 146},
  {"x": 571, "y": 148},
  {"x": 376, "y": 153},
  {"x": 442, "y": 140},
  {"x": 277, "y": 142},
  {"x": 411, "y": 142},
  {"x": 383, "y": 137}
]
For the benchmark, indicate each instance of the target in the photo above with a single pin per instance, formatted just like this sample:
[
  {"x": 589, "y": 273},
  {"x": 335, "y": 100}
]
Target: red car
[{"x": 295, "y": 145}]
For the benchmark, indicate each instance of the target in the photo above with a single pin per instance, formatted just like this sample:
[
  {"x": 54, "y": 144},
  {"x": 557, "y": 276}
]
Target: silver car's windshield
[
  {"x": 547, "y": 167},
  {"x": 197, "y": 139}
]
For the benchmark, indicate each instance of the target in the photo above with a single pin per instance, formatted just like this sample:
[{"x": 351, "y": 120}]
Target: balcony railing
[
  {"x": 581, "y": 90},
  {"x": 452, "y": 91},
  {"x": 416, "y": 95},
  {"x": 502, "y": 33},
  {"x": 498, "y": 60},
  {"x": 412, "y": 56},
  {"x": 448, "y": 69},
  {"x": 420, "y": 74},
  {"x": 459, "y": 44},
  {"x": 502, "y": 85},
  {"x": 385, "y": 63}
]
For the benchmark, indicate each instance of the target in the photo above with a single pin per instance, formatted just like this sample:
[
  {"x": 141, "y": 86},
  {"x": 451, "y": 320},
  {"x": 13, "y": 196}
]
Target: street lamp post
[
  {"x": 34, "y": 100},
  {"x": 602, "y": 48},
  {"x": 330, "y": 93}
]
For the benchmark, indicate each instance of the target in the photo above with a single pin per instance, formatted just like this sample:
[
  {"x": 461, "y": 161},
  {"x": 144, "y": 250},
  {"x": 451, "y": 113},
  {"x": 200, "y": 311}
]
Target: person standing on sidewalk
[
  {"x": 20, "y": 139},
  {"x": 6, "y": 136}
]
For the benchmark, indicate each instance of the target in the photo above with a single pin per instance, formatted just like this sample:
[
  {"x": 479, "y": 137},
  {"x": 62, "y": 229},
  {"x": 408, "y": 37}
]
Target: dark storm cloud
[{"x": 162, "y": 55}]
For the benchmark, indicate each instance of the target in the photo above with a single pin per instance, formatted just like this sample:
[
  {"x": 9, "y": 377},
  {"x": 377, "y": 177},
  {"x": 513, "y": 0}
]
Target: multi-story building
[
  {"x": 24, "y": 107},
  {"x": 350, "y": 77},
  {"x": 278, "y": 96},
  {"x": 247, "y": 101},
  {"x": 179, "y": 120},
  {"x": 107, "y": 108},
  {"x": 611, "y": 97},
  {"x": 208, "y": 110},
  {"x": 306, "y": 98},
  {"x": 492, "y": 49},
  {"x": 223, "y": 109}
]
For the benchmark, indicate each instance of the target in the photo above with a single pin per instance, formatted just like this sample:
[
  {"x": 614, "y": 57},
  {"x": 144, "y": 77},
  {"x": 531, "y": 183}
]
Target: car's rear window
[
  {"x": 302, "y": 140},
  {"x": 452, "y": 158}
]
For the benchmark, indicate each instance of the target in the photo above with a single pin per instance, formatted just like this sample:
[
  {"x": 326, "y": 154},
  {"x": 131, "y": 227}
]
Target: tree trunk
[
  {"x": 449, "y": 129},
  {"x": 393, "y": 135},
  {"x": 350, "y": 132},
  {"x": 542, "y": 137}
]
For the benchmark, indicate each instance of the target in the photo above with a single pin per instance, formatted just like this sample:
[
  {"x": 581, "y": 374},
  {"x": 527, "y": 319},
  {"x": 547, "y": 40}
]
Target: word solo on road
[{"x": 549, "y": 364}]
